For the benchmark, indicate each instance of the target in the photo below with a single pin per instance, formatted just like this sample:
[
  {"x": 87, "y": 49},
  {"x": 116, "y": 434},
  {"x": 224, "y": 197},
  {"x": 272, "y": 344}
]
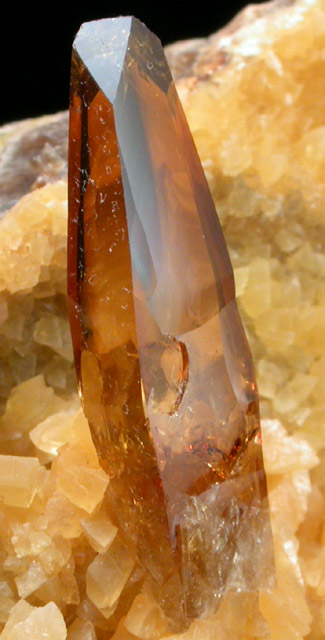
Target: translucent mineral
[
  {"x": 20, "y": 477},
  {"x": 287, "y": 452},
  {"x": 52, "y": 433},
  {"x": 258, "y": 84},
  {"x": 37, "y": 295},
  {"x": 31, "y": 579},
  {"x": 81, "y": 483},
  {"x": 27, "y": 622},
  {"x": 108, "y": 574},
  {"x": 100, "y": 532},
  {"x": 7, "y": 600},
  {"x": 169, "y": 389},
  {"x": 81, "y": 630},
  {"x": 145, "y": 619}
]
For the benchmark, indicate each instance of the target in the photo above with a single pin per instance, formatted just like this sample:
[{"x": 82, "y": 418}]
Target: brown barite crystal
[{"x": 165, "y": 372}]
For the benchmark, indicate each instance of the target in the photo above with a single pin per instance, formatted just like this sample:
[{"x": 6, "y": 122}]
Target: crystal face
[{"x": 165, "y": 372}]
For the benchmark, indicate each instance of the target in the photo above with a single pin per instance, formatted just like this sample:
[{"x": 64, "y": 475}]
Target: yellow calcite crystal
[
  {"x": 145, "y": 619},
  {"x": 26, "y": 622},
  {"x": 255, "y": 101},
  {"x": 83, "y": 484},
  {"x": 81, "y": 630},
  {"x": 31, "y": 579},
  {"x": 108, "y": 574},
  {"x": 52, "y": 433},
  {"x": 20, "y": 477},
  {"x": 99, "y": 531},
  {"x": 35, "y": 345}
]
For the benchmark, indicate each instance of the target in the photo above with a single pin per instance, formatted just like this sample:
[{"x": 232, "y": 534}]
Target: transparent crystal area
[{"x": 169, "y": 392}]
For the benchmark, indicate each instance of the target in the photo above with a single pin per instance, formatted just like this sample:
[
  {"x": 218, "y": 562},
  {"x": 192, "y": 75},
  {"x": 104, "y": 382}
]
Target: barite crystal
[{"x": 166, "y": 376}]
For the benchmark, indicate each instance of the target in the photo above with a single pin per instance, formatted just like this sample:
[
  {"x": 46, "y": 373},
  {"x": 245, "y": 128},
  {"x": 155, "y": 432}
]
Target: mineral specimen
[
  {"x": 165, "y": 372},
  {"x": 256, "y": 83}
]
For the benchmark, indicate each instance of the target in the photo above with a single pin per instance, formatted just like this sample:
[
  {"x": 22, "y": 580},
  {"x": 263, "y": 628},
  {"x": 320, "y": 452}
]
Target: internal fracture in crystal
[{"x": 165, "y": 372}]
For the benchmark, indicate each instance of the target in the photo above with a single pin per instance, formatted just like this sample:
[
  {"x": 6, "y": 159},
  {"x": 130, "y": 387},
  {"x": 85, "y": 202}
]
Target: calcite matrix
[
  {"x": 165, "y": 371},
  {"x": 253, "y": 88}
]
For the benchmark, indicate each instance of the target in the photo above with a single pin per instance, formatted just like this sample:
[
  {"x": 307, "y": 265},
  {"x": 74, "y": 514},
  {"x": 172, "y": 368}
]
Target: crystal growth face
[{"x": 165, "y": 372}]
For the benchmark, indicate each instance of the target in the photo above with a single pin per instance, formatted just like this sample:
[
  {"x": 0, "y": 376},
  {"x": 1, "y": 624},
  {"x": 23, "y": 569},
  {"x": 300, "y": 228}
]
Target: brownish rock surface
[{"x": 32, "y": 154}]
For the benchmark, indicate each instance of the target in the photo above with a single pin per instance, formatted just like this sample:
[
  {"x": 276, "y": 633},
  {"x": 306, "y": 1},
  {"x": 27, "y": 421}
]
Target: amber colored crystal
[{"x": 165, "y": 372}]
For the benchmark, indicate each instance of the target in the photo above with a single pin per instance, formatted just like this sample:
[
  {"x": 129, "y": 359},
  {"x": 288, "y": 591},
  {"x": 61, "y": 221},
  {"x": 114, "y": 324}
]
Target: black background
[{"x": 36, "y": 40}]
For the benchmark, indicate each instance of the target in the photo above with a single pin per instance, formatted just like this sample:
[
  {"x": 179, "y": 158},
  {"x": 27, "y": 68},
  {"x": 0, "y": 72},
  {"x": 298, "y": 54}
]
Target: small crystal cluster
[
  {"x": 58, "y": 547},
  {"x": 34, "y": 331}
]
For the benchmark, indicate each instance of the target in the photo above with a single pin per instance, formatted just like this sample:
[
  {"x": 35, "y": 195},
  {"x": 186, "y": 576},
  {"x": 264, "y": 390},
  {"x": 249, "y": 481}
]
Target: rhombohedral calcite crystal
[{"x": 165, "y": 372}]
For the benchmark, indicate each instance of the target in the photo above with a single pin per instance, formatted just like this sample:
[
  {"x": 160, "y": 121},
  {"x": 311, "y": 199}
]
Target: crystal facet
[{"x": 165, "y": 372}]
